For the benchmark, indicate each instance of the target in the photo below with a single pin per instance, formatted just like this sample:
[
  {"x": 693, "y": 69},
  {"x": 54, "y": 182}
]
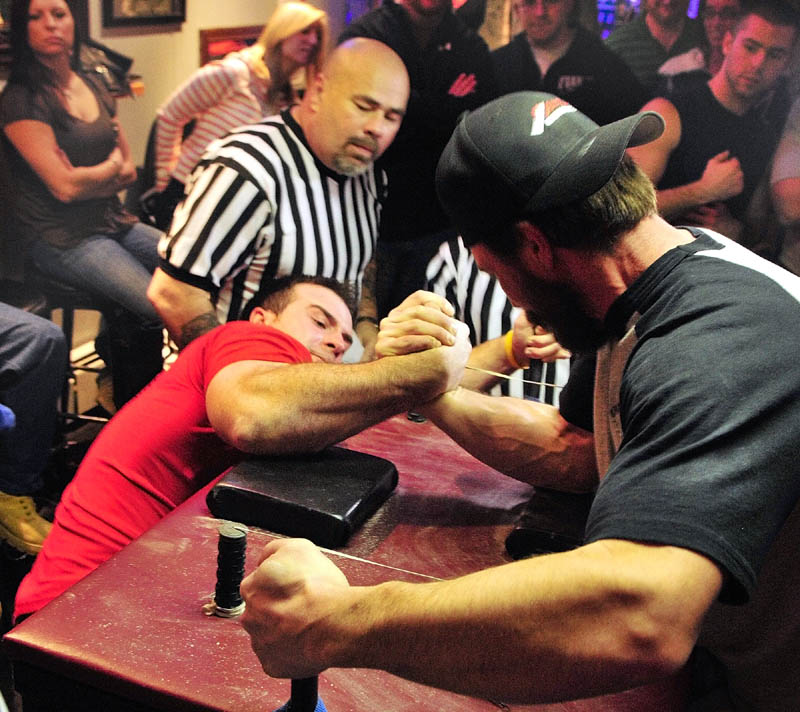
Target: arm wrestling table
[{"x": 132, "y": 637}]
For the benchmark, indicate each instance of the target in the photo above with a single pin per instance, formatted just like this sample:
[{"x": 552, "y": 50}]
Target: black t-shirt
[
  {"x": 709, "y": 407},
  {"x": 589, "y": 76},
  {"x": 709, "y": 414},
  {"x": 708, "y": 128}
]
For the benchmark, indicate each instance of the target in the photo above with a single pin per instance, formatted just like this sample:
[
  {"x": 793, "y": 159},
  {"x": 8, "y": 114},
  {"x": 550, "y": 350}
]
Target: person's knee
[{"x": 48, "y": 343}]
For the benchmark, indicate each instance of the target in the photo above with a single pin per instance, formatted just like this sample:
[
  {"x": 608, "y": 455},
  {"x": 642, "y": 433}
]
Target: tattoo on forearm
[{"x": 198, "y": 326}]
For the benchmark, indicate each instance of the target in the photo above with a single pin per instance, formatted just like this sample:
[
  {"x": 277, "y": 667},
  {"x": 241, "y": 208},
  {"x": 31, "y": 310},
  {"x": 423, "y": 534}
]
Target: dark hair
[
  {"x": 597, "y": 222},
  {"x": 277, "y": 294},
  {"x": 776, "y": 12},
  {"x": 26, "y": 69}
]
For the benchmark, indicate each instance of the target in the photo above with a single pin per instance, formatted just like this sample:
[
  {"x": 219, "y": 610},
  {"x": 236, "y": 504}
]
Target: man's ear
[
  {"x": 315, "y": 91},
  {"x": 535, "y": 252},
  {"x": 727, "y": 42},
  {"x": 259, "y": 315}
]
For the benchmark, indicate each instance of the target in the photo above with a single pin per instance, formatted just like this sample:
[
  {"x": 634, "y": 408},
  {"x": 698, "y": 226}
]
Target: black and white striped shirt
[
  {"x": 260, "y": 205},
  {"x": 481, "y": 303}
]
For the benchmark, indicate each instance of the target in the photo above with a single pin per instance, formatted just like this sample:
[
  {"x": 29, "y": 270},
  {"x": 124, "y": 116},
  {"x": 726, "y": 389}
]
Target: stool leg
[{"x": 68, "y": 327}]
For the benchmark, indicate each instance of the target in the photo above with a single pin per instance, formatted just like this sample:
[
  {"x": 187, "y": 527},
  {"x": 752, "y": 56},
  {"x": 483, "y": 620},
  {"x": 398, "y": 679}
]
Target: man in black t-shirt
[
  {"x": 720, "y": 136},
  {"x": 691, "y": 536},
  {"x": 555, "y": 54},
  {"x": 451, "y": 72}
]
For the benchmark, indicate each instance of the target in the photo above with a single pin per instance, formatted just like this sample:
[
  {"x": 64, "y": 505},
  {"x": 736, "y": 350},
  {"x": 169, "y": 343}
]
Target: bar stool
[{"x": 68, "y": 299}]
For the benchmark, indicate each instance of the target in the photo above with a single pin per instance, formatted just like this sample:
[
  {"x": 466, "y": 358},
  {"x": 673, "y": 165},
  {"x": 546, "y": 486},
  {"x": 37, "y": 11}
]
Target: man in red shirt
[{"x": 230, "y": 394}]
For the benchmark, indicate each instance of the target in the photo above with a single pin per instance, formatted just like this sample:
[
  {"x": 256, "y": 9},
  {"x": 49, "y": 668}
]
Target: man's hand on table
[{"x": 294, "y": 588}]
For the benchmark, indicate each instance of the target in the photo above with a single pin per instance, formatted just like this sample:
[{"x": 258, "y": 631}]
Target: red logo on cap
[
  {"x": 463, "y": 85},
  {"x": 546, "y": 113}
]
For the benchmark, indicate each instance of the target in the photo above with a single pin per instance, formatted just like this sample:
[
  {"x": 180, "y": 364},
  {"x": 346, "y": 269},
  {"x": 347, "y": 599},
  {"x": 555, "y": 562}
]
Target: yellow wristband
[{"x": 508, "y": 342}]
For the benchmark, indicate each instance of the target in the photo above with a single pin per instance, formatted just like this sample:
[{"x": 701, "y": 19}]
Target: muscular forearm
[
  {"x": 524, "y": 439},
  {"x": 308, "y": 406},
  {"x": 605, "y": 617}
]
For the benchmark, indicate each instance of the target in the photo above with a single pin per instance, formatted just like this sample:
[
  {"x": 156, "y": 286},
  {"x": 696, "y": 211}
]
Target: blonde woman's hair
[{"x": 289, "y": 18}]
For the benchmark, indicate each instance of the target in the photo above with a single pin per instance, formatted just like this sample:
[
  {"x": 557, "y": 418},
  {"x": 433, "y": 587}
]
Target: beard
[
  {"x": 349, "y": 165},
  {"x": 560, "y": 309}
]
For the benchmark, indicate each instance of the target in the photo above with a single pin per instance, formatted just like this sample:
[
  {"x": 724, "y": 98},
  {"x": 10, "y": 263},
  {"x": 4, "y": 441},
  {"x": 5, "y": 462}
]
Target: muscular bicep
[
  {"x": 241, "y": 394},
  {"x": 652, "y": 157}
]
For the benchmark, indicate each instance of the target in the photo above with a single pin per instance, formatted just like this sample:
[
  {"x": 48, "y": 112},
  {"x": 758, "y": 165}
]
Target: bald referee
[{"x": 295, "y": 194}]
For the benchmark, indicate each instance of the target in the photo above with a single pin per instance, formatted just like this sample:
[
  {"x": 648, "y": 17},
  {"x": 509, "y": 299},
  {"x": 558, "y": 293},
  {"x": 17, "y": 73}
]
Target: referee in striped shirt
[{"x": 295, "y": 194}]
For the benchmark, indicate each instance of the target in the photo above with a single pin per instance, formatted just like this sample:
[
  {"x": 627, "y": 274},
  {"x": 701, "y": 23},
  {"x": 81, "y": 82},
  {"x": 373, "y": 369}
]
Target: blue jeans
[
  {"x": 116, "y": 268},
  {"x": 33, "y": 360}
]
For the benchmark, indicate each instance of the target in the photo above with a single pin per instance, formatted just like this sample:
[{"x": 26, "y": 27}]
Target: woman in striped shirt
[{"x": 240, "y": 89}]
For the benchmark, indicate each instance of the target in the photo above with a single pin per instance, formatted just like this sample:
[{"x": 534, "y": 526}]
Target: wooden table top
[{"x": 135, "y": 627}]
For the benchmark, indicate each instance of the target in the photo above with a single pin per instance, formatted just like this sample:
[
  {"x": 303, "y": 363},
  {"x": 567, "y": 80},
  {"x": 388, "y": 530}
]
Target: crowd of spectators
[{"x": 304, "y": 162}]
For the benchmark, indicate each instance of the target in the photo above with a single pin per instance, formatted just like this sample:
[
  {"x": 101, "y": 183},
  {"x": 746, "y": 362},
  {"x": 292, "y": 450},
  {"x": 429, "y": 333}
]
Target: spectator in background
[
  {"x": 450, "y": 71},
  {"x": 785, "y": 183},
  {"x": 33, "y": 359},
  {"x": 237, "y": 90},
  {"x": 662, "y": 30},
  {"x": 69, "y": 156},
  {"x": 719, "y": 18},
  {"x": 554, "y": 53},
  {"x": 720, "y": 136}
]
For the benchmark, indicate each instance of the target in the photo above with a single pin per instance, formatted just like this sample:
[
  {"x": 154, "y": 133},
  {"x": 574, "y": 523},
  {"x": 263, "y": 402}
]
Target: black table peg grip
[{"x": 230, "y": 569}]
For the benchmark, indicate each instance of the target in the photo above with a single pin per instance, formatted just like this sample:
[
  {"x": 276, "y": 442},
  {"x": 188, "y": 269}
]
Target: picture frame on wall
[
  {"x": 218, "y": 42},
  {"x": 134, "y": 13}
]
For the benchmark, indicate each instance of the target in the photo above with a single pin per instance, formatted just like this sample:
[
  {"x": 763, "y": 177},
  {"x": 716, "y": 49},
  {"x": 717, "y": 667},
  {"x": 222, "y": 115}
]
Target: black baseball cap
[{"x": 528, "y": 151}]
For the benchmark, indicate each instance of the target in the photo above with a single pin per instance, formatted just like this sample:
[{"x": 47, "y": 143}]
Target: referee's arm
[{"x": 186, "y": 310}]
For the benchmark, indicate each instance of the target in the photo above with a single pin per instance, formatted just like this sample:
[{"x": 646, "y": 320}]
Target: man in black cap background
[{"x": 693, "y": 532}]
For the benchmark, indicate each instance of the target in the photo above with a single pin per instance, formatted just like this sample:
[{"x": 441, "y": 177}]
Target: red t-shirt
[{"x": 157, "y": 451}]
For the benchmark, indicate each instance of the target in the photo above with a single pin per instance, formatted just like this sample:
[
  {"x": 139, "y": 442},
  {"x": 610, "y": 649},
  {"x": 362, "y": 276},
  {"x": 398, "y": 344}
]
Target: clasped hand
[{"x": 422, "y": 322}]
